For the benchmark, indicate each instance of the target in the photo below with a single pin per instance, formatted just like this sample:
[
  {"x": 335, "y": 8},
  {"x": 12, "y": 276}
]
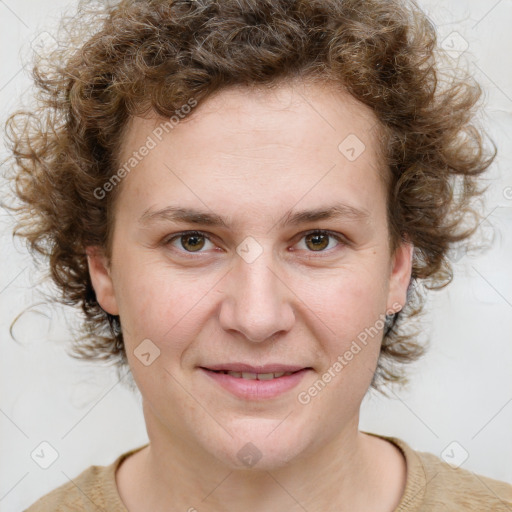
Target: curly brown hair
[{"x": 141, "y": 56}]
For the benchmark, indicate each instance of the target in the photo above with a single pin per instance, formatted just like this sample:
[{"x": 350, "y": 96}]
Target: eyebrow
[{"x": 291, "y": 218}]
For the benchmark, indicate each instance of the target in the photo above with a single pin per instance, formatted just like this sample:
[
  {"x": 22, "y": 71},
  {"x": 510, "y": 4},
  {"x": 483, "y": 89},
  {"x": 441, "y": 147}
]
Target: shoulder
[
  {"x": 433, "y": 485},
  {"x": 81, "y": 493},
  {"x": 460, "y": 489},
  {"x": 92, "y": 490}
]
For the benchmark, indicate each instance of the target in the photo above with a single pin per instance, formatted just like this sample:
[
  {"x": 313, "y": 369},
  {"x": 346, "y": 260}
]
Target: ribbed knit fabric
[{"x": 432, "y": 486}]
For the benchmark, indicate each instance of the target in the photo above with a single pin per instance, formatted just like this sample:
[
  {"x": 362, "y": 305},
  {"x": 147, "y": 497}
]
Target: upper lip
[{"x": 248, "y": 368}]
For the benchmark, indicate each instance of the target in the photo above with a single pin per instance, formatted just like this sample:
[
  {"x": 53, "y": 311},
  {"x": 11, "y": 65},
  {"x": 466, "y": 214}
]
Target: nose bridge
[{"x": 257, "y": 303}]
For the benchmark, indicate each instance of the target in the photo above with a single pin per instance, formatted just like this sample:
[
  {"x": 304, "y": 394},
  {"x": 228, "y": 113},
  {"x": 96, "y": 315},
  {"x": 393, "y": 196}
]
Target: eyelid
[
  {"x": 341, "y": 239},
  {"x": 334, "y": 234},
  {"x": 175, "y": 236},
  {"x": 337, "y": 236}
]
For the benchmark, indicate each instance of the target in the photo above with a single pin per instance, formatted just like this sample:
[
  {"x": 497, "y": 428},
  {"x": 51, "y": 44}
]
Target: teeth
[
  {"x": 268, "y": 376},
  {"x": 258, "y": 376}
]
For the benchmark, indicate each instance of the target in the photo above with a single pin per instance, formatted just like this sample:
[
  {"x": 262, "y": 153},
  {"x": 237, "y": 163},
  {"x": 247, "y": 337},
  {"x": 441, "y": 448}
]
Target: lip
[
  {"x": 242, "y": 367},
  {"x": 256, "y": 389}
]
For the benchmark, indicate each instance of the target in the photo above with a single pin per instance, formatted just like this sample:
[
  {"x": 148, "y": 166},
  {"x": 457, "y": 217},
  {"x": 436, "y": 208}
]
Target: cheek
[
  {"x": 353, "y": 308},
  {"x": 160, "y": 304},
  {"x": 349, "y": 314},
  {"x": 348, "y": 300}
]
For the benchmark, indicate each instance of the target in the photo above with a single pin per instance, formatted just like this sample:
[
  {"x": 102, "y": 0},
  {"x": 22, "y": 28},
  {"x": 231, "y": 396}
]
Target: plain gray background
[{"x": 460, "y": 397}]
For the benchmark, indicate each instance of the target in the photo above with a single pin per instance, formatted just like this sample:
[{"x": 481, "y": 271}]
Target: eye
[
  {"x": 190, "y": 241},
  {"x": 313, "y": 241},
  {"x": 320, "y": 240}
]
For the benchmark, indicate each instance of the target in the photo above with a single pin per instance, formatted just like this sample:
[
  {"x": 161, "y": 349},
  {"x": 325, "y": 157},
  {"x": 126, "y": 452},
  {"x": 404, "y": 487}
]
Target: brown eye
[
  {"x": 193, "y": 242},
  {"x": 317, "y": 241},
  {"x": 188, "y": 242}
]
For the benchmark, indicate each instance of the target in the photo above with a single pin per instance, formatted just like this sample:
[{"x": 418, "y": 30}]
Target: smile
[
  {"x": 253, "y": 376},
  {"x": 256, "y": 386}
]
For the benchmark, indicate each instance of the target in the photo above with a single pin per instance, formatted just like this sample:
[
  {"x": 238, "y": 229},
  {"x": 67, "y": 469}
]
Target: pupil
[
  {"x": 192, "y": 242},
  {"x": 319, "y": 241}
]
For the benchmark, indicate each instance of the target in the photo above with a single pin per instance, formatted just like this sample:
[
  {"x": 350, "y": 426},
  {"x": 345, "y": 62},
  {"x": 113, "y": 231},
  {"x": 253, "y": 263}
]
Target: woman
[{"x": 241, "y": 197}]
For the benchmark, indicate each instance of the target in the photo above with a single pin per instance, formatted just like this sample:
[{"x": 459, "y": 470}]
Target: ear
[
  {"x": 400, "y": 277},
  {"x": 99, "y": 270}
]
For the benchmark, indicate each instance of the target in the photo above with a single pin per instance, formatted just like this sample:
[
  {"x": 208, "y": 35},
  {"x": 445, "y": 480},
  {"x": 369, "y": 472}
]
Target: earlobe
[
  {"x": 400, "y": 275},
  {"x": 101, "y": 279}
]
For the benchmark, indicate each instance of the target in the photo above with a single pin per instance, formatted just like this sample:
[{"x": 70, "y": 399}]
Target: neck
[{"x": 348, "y": 473}]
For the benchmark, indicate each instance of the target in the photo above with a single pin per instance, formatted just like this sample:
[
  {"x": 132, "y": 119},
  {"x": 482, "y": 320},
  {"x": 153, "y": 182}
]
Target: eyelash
[{"x": 339, "y": 238}]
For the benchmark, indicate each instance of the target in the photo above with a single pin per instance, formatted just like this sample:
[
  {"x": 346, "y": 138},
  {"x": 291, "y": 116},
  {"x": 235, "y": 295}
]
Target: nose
[{"x": 257, "y": 302}]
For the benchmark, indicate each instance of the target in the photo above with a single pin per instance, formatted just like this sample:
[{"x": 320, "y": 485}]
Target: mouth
[
  {"x": 254, "y": 376},
  {"x": 251, "y": 385}
]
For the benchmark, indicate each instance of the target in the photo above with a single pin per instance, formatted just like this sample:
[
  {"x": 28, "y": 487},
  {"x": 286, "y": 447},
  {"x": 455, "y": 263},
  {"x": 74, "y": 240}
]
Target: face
[{"x": 253, "y": 232}]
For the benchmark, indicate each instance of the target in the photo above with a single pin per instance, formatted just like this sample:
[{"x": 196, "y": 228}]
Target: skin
[{"x": 252, "y": 156}]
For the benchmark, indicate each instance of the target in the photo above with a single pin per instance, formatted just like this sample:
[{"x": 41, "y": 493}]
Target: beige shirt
[{"x": 432, "y": 486}]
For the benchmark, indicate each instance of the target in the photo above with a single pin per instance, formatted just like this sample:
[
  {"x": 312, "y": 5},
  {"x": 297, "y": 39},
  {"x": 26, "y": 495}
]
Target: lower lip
[{"x": 254, "y": 389}]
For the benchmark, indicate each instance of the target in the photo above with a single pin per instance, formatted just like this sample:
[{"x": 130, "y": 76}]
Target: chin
[{"x": 263, "y": 445}]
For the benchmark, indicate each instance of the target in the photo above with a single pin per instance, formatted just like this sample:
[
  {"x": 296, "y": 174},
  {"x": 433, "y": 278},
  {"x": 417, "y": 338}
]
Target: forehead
[{"x": 255, "y": 146}]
